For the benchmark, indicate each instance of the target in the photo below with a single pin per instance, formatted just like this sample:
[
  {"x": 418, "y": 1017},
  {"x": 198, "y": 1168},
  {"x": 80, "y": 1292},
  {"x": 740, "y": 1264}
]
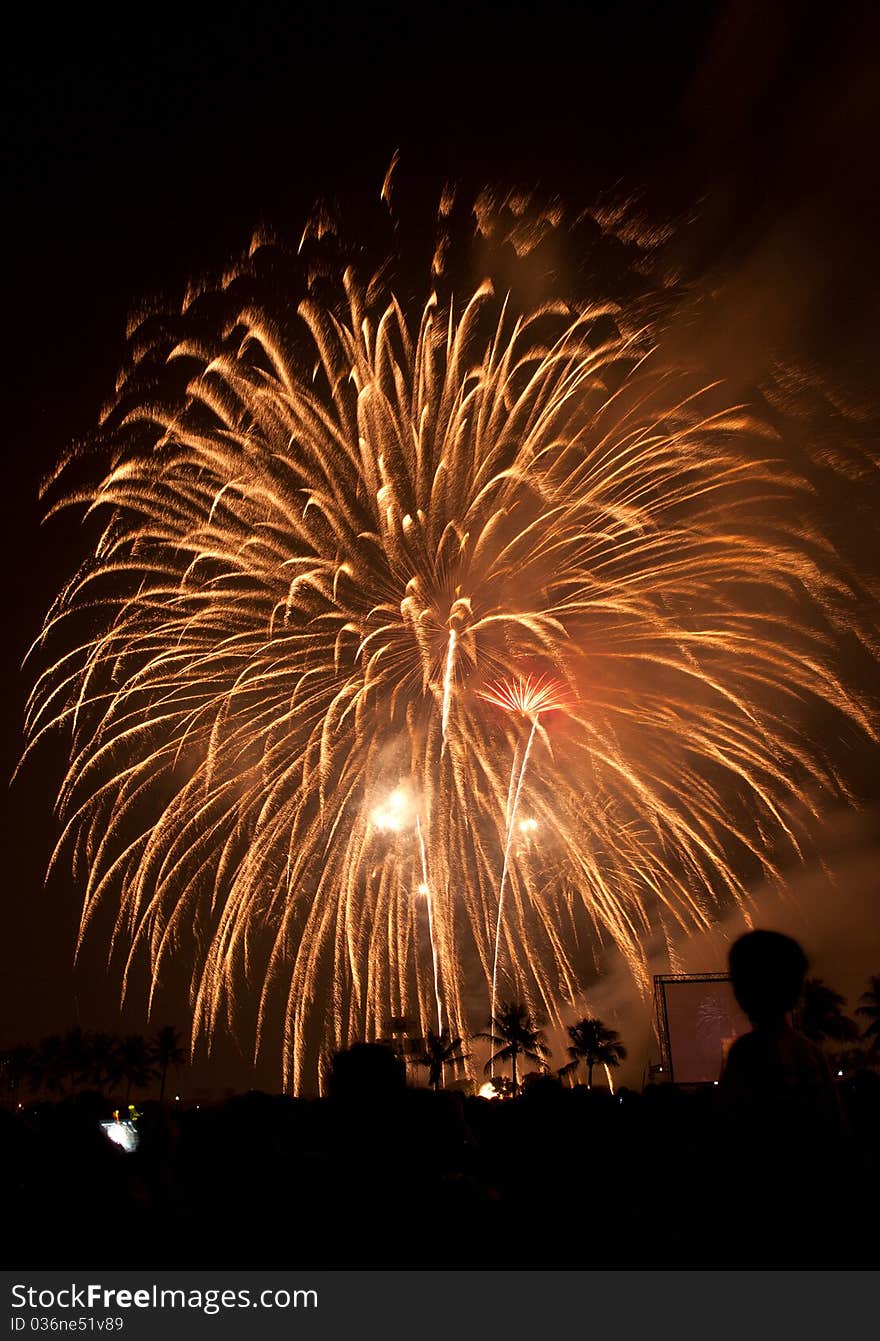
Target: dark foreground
[{"x": 554, "y": 1178}]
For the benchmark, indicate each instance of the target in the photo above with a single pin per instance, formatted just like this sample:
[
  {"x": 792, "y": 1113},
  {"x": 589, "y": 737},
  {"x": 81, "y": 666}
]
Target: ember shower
[{"x": 343, "y": 531}]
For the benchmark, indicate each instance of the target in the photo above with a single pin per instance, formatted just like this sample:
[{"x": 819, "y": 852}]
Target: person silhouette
[
  {"x": 783, "y": 1121},
  {"x": 773, "y": 1072}
]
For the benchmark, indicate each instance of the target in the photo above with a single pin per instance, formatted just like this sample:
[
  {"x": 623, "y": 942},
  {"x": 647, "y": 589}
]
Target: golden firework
[{"x": 331, "y": 532}]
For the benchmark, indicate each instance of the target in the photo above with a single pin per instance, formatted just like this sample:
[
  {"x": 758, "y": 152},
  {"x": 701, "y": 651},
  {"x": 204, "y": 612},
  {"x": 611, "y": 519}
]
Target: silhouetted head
[
  {"x": 367, "y": 1071},
  {"x": 767, "y": 971},
  {"x": 542, "y": 1089}
]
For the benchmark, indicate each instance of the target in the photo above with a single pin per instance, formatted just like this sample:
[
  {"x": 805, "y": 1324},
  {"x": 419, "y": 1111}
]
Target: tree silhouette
[
  {"x": 594, "y": 1044},
  {"x": 869, "y": 1008},
  {"x": 105, "y": 1060},
  {"x": 846, "y": 1061},
  {"x": 515, "y": 1034},
  {"x": 77, "y": 1051},
  {"x": 821, "y": 1015},
  {"x": 16, "y": 1064},
  {"x": 51, "y": 1067},
  {"x": 167, "y": 1050},
  {"x": 135, "y": 1063},
  {"x": 440, "y": 1050}
]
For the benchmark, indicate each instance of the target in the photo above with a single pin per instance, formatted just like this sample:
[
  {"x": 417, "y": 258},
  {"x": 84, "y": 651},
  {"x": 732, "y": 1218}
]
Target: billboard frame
[{"x": 660, "y": 981}]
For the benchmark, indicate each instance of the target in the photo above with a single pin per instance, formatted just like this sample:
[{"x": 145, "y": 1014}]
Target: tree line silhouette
[
  {"x": 517, "y": 1037},
  {"x": 101, "y": 1061},
  {"x": 106, "y": 1061}
]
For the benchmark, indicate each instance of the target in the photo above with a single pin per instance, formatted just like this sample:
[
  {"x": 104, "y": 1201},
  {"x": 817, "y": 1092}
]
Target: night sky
[{"x": 142, "y": 154}]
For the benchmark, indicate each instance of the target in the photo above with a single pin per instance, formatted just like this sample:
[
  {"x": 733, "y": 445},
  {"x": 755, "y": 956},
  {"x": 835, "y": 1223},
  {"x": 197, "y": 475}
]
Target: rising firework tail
[
  {"x": 498, "y": 557},
  {"x": 530, "y": 697}
]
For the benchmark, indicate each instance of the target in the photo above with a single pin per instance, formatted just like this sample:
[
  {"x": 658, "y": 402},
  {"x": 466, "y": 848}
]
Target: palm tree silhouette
[
  {"x": 106, "y": 1066},
  {"x": 167, "y": 1050},
  {"x": 515, "y": 1034},
  {"x": 77, "y": 1048},
  {"x": 51, "y": 1065},
  {"x": 17, "y": 1064},
  {"x": 440, "y": 1050},
  {"x": 593, "y": 1043},
  {"x": 869, "y": 1007},
  {"x": 821, "y": 1015},
  {"x": 135, "y": 1063}
]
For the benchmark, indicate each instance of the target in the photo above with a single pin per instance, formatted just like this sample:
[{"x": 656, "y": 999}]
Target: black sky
[{"x": 142, "y": 150}]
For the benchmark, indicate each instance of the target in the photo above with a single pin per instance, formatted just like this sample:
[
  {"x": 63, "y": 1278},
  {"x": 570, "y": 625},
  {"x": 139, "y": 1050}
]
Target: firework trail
[
  {"x": 528, "y": 698},
  {"x": 329, "y": 520},
  {"x": 395, "y": 815},
  {"x": 425, "y": 890}
]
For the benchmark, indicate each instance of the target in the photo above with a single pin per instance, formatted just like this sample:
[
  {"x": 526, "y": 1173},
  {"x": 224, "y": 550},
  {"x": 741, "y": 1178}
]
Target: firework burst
[
  {"x": 529, "y": 697},
  {"x": 333, "y": 527}
]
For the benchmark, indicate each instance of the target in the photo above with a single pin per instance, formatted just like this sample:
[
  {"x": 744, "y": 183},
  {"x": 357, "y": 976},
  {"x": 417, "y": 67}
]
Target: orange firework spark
[{"x": 330, "y": 519}]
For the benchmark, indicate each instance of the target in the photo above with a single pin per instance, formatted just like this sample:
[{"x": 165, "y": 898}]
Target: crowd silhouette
[{"x": 775, "y": 1166}]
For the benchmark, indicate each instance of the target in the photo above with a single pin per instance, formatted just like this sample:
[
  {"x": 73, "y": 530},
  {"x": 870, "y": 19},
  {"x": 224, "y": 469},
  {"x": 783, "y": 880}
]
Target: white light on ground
[{"x": 122, "y": 1133}]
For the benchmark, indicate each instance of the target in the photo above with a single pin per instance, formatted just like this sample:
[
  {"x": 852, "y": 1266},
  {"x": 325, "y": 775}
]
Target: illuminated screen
[{"x": 702, "y": 1020}]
